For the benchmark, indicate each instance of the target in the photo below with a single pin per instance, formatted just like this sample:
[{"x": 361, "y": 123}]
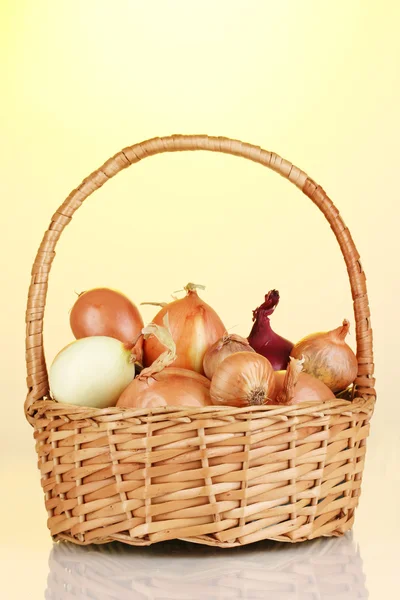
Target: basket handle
[{"x": 37, "y": 379}]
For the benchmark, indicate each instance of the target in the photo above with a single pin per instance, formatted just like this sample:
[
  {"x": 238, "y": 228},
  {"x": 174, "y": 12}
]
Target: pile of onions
[
  {"x": 228, "y": 344},
  {"x": 92, "y": 371},
  {"x": 294, "y": 386},
  {"x": 163, "y": 385},
  {"x": 328, "y": 358},
  {"x": 194, "y": 326},
  {"x": 186, "y": 340},
  {"x": 265, "y": 341},
  {"x": 107, "y": 312},
  {"x": 243, "y": 379}
]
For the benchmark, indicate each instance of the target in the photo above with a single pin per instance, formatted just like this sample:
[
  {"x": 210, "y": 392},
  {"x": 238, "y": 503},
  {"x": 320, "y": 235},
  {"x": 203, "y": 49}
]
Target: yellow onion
[
  {"x": 107, "y": 312},
  {"x": 328, "y": 358},
  {"x": 294, "y": 386},
  {"x": 163, "y": 385},
  {"x": 170, "y": 387},
  {"x": 228, "y": 344},
  {"x": 243, "y": 379},
  {"x": 194, "y": 326}
]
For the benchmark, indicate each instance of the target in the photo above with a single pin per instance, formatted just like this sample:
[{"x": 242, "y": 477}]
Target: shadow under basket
[{"x": 221, "y": 476}]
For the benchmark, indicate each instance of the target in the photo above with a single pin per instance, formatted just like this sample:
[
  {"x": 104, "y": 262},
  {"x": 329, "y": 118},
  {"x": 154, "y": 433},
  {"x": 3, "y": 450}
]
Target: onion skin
[
  {"x": 306, "y": 389},
  {"x": 228, "y": 344},
  {"x": 328, "y": 358},
  {"x": 294, "y": 387},
  {"x": 194, "y": 326},
  {"x": 92, "y": 371},
  {"x": 243, "y": 379},
  {"x": 170, "y": 387},
  {"x": 107, "y": 312},
  {"x": 265, "y": 341}
]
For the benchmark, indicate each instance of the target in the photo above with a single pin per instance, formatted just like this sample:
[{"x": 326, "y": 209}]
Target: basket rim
[{"x": 178, "y": 413}]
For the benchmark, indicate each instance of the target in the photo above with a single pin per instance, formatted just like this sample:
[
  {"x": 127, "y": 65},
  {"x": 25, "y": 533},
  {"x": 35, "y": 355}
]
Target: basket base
[{"x": 335, "y": 528}]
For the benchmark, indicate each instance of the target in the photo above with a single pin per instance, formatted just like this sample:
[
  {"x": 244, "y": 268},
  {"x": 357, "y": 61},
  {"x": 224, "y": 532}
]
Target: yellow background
[{"x": 316, "y": 82}]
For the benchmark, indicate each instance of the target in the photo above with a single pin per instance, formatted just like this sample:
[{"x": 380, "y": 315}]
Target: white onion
[{"x": 92, "y": 371}]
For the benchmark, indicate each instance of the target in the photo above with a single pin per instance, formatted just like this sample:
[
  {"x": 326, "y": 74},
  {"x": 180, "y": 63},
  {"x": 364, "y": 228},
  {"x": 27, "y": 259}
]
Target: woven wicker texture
[
  {"x": 218, "y": 475},
  {"x": 319, "y": 569}
]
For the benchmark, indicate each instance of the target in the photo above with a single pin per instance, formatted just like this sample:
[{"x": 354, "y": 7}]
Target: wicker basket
[
  {"x": 319, "y": 569},
  {"x": 221, "y": 476}
]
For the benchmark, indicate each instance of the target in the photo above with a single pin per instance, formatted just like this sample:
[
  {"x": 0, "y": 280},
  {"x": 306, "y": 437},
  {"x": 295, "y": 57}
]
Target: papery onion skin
[
  {"x": 228, "y": 344},
  {"x": 107, "y": 312},
  {"x": 243, "y": 379},
  {"x": 328, "y": 358},
  {"x": 264, "y": 340},
  {"x": 170, "y": 387},
  {"x": 194, "y": 326},
  {"x": 294, "y": 387},
  {"x": 163, "y": 385},
  {"x": 92, "y": 371},
  {"x": 306, "y": 389}
]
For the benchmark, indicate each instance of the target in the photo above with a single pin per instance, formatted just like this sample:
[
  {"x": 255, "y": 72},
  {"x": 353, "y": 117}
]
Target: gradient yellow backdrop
[{"x": 317, "y": 82}]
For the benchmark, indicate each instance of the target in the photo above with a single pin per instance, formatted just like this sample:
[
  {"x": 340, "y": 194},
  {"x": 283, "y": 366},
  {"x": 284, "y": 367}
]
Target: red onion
[{"x": 265, "y": 341}]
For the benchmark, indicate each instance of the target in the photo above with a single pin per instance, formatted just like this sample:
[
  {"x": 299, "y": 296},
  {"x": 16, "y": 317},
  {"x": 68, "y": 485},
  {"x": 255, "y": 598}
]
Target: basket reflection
[{"x": 327, "y": 568}]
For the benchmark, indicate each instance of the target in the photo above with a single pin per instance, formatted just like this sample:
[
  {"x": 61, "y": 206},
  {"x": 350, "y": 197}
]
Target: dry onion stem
[
  {"x": 286, "y": 394},
  {"x": 294, "y": 386},
  {"x": 167, "y": 357}
]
